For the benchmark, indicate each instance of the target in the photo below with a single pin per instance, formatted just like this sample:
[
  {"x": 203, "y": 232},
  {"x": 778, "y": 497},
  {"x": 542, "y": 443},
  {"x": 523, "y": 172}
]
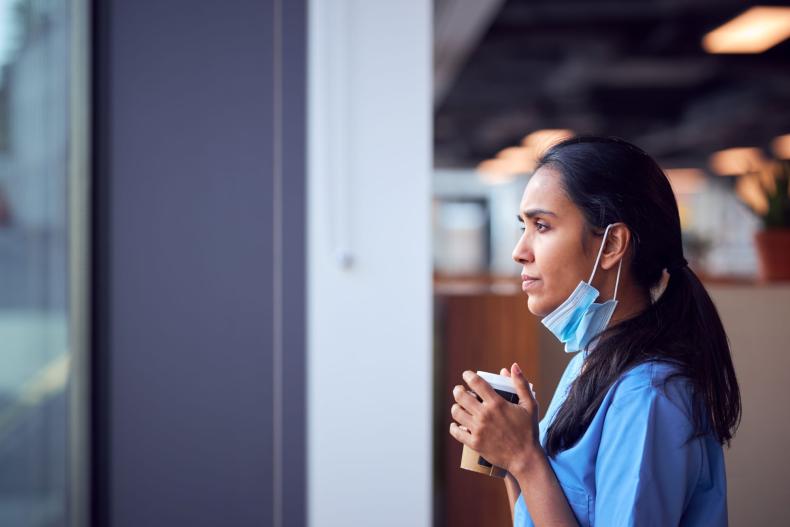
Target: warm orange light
[
  {"x": 781, "y": 146},
  {"x": 515, "y": 152},
  {"x": 520, "y": 158},
  {"x": 685, "y": 180},
  {"x": 497, "y": 171},
  {"x": 540, "y": 140},
  {"x": 754, "y": 31},
  {"x": 736, "y": 161},
  {"x": 515, "y": 160},
  {"x": 751, "y": 192}
]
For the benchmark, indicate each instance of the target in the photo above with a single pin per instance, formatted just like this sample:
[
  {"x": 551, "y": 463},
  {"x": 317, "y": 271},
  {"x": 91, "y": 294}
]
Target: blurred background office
[
  {"x": 248, "y": 247},
  {"x": 704, "y": 87}
]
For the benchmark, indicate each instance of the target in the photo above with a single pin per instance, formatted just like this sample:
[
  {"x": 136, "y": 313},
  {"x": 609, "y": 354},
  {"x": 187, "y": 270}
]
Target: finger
[
  {"x": 505, "y": 372},
  {"x": 460, "y": 435},
  {"x": 461, "y": 416},
  {"x": 523, "y": 388},
  {"x": 467, "y": 400},
  {"x": 480, "y": 386}
]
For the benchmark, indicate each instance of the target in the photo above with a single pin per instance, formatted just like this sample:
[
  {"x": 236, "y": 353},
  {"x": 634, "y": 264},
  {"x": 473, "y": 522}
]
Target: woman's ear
[{"x": 616, "y": 245}]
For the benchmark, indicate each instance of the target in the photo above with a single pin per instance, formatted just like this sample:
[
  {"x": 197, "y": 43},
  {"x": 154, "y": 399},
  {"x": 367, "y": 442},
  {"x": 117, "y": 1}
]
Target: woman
[{"x": 634, "y": 432}]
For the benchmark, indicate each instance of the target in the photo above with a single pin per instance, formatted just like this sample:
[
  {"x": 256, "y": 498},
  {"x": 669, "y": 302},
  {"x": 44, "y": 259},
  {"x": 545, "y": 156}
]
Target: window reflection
[{"x": 34, "y": 355}]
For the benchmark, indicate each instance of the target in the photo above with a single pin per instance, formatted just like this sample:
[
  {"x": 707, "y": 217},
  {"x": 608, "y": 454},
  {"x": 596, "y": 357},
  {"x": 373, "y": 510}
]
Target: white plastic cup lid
[{"x": 498, "y": 382}]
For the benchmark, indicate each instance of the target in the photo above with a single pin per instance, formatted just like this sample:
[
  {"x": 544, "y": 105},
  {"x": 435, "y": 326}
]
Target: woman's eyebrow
[{"x": 531, "y": 213}]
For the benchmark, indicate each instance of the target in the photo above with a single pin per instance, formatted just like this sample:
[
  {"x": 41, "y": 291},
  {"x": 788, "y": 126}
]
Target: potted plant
[{"x": 767, "y": 194}]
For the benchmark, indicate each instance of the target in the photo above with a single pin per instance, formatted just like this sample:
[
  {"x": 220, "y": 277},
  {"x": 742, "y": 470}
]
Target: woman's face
[{"x": 550, "y": 249}]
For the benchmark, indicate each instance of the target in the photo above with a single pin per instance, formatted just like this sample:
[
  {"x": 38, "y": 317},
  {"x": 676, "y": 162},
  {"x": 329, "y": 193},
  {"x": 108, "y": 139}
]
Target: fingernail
[{"x": 516, "y": 369}]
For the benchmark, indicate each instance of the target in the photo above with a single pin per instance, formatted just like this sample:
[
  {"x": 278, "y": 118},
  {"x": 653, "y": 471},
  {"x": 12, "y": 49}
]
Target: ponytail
[
  {"x": 686, "y": 308},
  {"x": 682, "y": 327}
]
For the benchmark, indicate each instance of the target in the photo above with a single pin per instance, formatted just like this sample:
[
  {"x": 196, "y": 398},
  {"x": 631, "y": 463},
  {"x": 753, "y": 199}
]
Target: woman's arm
[
  {"x": 507, "y": 435},
  {"x": 543, "y": 495},
  {"x": 513, "y": 490}
]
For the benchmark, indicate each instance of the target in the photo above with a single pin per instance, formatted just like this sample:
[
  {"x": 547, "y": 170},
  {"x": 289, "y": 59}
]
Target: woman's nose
[{"x": 521, "y": 252}]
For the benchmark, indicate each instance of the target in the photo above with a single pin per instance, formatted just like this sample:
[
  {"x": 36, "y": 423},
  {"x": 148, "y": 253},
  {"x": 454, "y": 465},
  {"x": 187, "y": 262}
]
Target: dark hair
[{"x": 611, "y": 181}]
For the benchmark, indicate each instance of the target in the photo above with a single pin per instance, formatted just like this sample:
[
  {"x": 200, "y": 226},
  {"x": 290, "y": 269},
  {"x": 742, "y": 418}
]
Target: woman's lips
[{"x": 528, "y": 282}]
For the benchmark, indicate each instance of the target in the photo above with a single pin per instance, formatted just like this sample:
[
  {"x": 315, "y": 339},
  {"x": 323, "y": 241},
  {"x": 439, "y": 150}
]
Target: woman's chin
[
  {"x": 533, "y": 304},
  {"x": 536, "y": 307}
]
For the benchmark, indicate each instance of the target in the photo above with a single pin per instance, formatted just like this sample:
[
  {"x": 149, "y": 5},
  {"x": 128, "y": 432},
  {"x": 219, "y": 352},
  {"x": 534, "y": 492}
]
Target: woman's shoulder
[
  {"x": 655, "y": 382},
  {"x": 650, "y": 373}
]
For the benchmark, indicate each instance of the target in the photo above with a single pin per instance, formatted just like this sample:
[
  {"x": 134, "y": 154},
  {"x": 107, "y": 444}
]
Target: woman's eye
[{"x": 540, "y": 227}]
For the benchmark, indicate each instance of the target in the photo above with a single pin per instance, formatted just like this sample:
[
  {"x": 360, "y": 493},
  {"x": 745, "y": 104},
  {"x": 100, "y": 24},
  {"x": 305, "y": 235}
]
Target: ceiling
[{"x": 631, "y": 68}]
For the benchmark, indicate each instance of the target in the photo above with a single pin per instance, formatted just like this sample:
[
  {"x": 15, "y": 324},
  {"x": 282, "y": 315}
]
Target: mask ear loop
[
  {"x": 600, "y": 252},
  {"x": 598, "y": 260},
  {"x": 617, "y": 282}
]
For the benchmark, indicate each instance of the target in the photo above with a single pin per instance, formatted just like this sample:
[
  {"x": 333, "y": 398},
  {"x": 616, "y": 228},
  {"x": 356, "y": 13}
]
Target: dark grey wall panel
[
  {"x": 294, "y": 279},
  {"x": 185, "y": 223}
]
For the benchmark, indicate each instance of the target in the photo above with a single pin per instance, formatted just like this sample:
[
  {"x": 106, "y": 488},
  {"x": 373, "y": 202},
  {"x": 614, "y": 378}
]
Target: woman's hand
[
  {"x": 504, "y": 433},
  {"x": 509, "y": 478}
]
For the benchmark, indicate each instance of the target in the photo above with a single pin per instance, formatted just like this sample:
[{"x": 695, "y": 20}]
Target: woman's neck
[{"x": 631, "y": 300}]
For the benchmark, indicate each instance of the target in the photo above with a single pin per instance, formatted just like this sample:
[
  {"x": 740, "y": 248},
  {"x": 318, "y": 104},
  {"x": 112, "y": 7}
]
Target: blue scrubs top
[{"x": 631, "y": 467}]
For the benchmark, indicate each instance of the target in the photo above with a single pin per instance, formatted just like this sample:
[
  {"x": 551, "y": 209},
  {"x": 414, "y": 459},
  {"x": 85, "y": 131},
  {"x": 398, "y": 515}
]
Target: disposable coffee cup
[{"x": 470, "y": 459}]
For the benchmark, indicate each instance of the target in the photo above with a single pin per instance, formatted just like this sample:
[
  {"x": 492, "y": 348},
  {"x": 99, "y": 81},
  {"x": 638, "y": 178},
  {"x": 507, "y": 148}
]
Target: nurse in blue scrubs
[{"x": 634, "y": 431}]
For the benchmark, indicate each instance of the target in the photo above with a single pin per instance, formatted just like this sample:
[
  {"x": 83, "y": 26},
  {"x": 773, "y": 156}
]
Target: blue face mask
[{"x": 579, "y": 319}]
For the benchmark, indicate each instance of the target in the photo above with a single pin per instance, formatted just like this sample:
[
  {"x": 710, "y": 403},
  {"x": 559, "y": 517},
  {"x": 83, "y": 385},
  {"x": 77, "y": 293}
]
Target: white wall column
[{"x": 369, "y": 263}]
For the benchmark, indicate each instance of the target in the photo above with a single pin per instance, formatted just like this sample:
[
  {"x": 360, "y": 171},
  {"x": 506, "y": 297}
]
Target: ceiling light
[
  {"x": 685, "y": 180},
  {"x": 737, "y": 161},
  {"x": 781, "y": 146},
  {"x": 541, "y": 140},
  {"x": 752, "y": 193},
  {"x": 515, "y": 160},
  {"x": 497, "y": 171},
  {"x": 520, "y": 159},
  {"x": 754, "y": 31},
  {"x": 515, "y": 152}
]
